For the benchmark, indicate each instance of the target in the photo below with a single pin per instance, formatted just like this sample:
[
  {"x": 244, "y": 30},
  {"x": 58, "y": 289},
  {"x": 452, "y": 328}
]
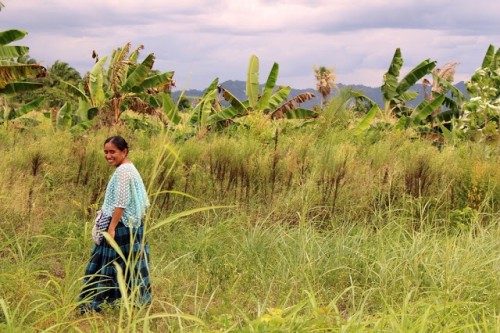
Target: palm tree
[
  {"x": 55, "y": 94},
  {"x": 325, "y": 81},
  {"x": 61, "y": 70}
]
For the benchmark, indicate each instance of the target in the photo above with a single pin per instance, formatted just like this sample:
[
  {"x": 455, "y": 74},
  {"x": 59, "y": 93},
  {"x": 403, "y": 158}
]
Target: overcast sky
[{"x": 201, "y": 40}]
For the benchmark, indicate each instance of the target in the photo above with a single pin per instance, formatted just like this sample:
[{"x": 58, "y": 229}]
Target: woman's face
[{"x": 113, "y": 155}]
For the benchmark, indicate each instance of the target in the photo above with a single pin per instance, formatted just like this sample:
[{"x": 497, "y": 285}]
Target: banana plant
[
  {"x": 125, "y": 84},
  {"x": 207, "y": 106},
  {"x": 396, "y": 92},
  {"x": 481, "y": 114},
  {"x": 270, "y": 100},
  {"x": 445, "y": 116}
]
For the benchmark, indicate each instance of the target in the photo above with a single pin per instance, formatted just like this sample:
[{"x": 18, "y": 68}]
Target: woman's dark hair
[{"x": 118, "y": 141}]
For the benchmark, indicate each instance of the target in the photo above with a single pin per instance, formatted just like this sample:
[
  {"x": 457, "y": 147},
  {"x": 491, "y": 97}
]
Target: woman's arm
[
  {"x": 122, "y": 198},
  {"x": 117, "y": 215}
]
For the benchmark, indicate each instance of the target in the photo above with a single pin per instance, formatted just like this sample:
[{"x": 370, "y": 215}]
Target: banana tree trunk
[{"x": 116, "y": 104}]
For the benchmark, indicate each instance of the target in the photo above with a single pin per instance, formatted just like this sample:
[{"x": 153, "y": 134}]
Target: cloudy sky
[{"x": 201, "y": 40}]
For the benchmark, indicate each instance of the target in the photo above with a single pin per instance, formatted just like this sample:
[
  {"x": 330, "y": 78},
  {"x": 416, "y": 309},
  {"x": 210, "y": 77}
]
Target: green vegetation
[
  {"x": 265, "y": 217},
  {"x": 12, "y": 75},
  {"x": 321, "y": 231}
]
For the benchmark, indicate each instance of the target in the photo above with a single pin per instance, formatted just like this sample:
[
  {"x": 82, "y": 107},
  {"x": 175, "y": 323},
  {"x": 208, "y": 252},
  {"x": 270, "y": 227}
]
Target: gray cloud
[{"x": 202, "y": 40}]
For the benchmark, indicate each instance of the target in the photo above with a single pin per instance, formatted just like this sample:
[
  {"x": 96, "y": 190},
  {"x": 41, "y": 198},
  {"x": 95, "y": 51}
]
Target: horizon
[{"x": 261, "y": 84}]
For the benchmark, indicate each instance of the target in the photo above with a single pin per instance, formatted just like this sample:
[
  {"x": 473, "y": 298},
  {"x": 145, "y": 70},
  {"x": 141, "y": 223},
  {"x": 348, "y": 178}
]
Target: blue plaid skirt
[{"x": 100, "y": 283}]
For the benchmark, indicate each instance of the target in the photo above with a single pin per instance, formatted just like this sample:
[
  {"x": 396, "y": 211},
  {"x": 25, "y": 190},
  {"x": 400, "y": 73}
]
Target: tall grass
[{"x": 321, "y": 232}]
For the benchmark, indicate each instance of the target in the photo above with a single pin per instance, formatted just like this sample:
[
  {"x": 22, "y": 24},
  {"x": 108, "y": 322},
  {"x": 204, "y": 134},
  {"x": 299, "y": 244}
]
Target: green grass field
[{"x": 277, "y": 229}]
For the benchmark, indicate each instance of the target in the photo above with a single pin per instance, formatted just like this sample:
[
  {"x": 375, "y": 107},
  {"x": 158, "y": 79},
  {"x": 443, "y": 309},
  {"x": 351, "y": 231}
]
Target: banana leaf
[
  {"x": 73, "y": 90},
  {"x": 204, "y": 107},
  {"x": 154, "y": 81},
  {"x": 448, "y": 115},
  {"x": 64, "y": 116},
  {"x": 151, "y": 99},
  {"x": 236, "y": 109},
  {"x": 196, "y": 114},
  {"x": 359, "y": 95},
  {"x": 235, "y": 102},
  {"x": 118, "y": 66},
  {"x": 10, "y": 51},
  {"x": 425, "y": 109},
  {"x": 134, "y": 55},
  {"x": 367, "y": 120},
  {"x": 451, "y": 104},
  {"x": 278, "y": 97},
  {"x": 263, "y": 103},
  {"x": 12, "y": 73},
  {"x": 213, "y": 85},
  {"x": 9, "y": 36},
  {"x": 449, "y": 86},
  {"x": 496, "y": 61},
  {"x": 391, "y": 76},
  {"x": 83, "y": 109},
  {"x": 299, "y": 113},
  {"x": 417, "y": 73},
  {"x": 212, "y": 90},
  {"x": 291, "y": 104},
  {"x": 96, "y": 84},
  {"x": 19, "y": 87},
  {"x": 139, "y": 74},
  {"x": 405, "y": 97},
  {"x": 488, "y": 57},
  {"x": 226, "y": 114},
  {"x": 118, "y": 55},
  {"x": 28, "y": 107},
  {"x": 170, "y": 109},
  {"x": 449, "y": 135},
  {"x": 252, "y": 83},
  {"x": 403, "y": 123}
]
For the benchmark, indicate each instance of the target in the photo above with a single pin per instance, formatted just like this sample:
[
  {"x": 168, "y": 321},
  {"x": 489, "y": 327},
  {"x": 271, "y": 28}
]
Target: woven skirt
[{"x": 100, "y": 284}]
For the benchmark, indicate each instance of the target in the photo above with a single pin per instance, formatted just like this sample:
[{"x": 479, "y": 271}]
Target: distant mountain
[{"x": 237, "y": 88}]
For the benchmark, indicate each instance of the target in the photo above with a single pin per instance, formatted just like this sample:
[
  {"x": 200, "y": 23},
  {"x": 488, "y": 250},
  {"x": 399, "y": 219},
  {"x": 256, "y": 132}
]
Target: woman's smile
[{"x": 113, "y": 155}]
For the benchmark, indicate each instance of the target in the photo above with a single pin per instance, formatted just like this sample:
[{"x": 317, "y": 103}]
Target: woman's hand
[
  {"x": 111, "y": 232},
  {"x": 117, "y": 215}
]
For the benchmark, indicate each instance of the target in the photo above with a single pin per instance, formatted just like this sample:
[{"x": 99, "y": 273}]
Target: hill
[{"x": 237, "y": 88}]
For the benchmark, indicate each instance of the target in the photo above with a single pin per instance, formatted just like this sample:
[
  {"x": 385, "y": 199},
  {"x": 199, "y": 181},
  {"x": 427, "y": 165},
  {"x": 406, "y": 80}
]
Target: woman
[{"x": 125, "y": 202}]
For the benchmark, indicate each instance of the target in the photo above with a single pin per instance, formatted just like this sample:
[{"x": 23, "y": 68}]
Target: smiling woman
[
  {"x": 125, "y": 254},
  {"x": 115, "y": 155}
]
